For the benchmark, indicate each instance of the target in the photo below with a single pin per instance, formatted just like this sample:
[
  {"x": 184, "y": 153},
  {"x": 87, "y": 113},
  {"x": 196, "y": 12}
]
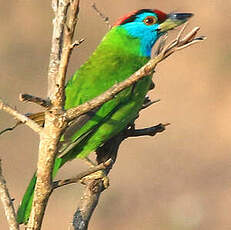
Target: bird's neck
[{"x": 119, "y": 39}]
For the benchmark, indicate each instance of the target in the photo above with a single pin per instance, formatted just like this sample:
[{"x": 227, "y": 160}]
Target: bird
[{"x": 123, "y": 50}]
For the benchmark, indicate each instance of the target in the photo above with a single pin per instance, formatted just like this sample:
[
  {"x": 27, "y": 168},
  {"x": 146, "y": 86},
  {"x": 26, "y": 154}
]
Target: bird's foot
[{"x": 99, "y": 175}]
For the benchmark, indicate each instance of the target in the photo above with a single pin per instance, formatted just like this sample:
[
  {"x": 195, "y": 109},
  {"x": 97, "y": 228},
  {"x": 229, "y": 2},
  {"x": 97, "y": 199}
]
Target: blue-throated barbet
[{"x": 122, "y": 51}]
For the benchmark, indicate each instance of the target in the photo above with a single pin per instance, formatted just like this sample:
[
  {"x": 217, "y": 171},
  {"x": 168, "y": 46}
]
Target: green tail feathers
[{"x": 24, "y": 209}]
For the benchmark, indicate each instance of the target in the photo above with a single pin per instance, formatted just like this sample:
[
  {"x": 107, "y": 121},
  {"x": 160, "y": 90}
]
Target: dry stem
[
  {"x": 7, "y": 203},
  {"x": 37, "y": 100},
  {"x": 54, "y": 91},
  {"x": 94, "y": 187},
  {"x": 77, "y": 178},
  {"x": 101, "y": 15}
]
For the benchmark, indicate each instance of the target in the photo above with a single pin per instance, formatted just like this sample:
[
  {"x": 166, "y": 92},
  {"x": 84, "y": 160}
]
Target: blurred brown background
[{"x": 181, "y": 179}]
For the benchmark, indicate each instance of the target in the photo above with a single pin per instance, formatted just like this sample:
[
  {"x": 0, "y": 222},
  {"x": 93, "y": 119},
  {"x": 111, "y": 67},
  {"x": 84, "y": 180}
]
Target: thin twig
[
  {"x": 105, "y": 18},
  {"x": 37, "y": 100},
  {"x": 81, "y": 175},
  {"x": 89, "y": 162},
  {"x": 77, "y": 43},
  {"x": 10, "y": 128},
  {"x": 24, "y": 119},
  {"x": 181, "y": 31},
  {"x": 148, "y": 103},
  {"x": 161, "y": 44},
  {"x": 7, "y": 203},
  {"x": 151, "y": 131},
  {"x": 39, "y": 117},
  {"x": 181, "y": 43}
]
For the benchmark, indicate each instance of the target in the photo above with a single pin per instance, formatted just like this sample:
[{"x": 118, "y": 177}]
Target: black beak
[
  {"x": 173, "y": 20},
  {"x": 180, "y": 16}
]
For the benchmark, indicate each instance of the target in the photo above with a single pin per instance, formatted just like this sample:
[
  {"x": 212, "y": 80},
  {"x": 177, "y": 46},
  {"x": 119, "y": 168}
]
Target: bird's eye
[{"x": 150, "y": 20}]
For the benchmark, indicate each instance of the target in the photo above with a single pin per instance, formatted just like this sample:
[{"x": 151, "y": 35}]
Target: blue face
[{"x": 145, "y": 28}]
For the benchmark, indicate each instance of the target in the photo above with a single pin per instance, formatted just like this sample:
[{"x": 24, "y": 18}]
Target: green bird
[{"x": 123, "y": 50}]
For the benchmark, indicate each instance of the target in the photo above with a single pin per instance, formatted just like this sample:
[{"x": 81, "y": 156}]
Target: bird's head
[{"x": 148, "y": 25}]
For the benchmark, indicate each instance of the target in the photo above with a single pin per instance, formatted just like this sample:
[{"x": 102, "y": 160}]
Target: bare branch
[
  {"x": 81, "y": 175},
  {"x": 66, "y": 50},
  {"x": 22, "y": 118},
  {"x": 7, "y": 202},
  {"x": 88, "y": 203},
  {"x": 63, "y": 31},
  {"x": 37, "y": 100}
]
